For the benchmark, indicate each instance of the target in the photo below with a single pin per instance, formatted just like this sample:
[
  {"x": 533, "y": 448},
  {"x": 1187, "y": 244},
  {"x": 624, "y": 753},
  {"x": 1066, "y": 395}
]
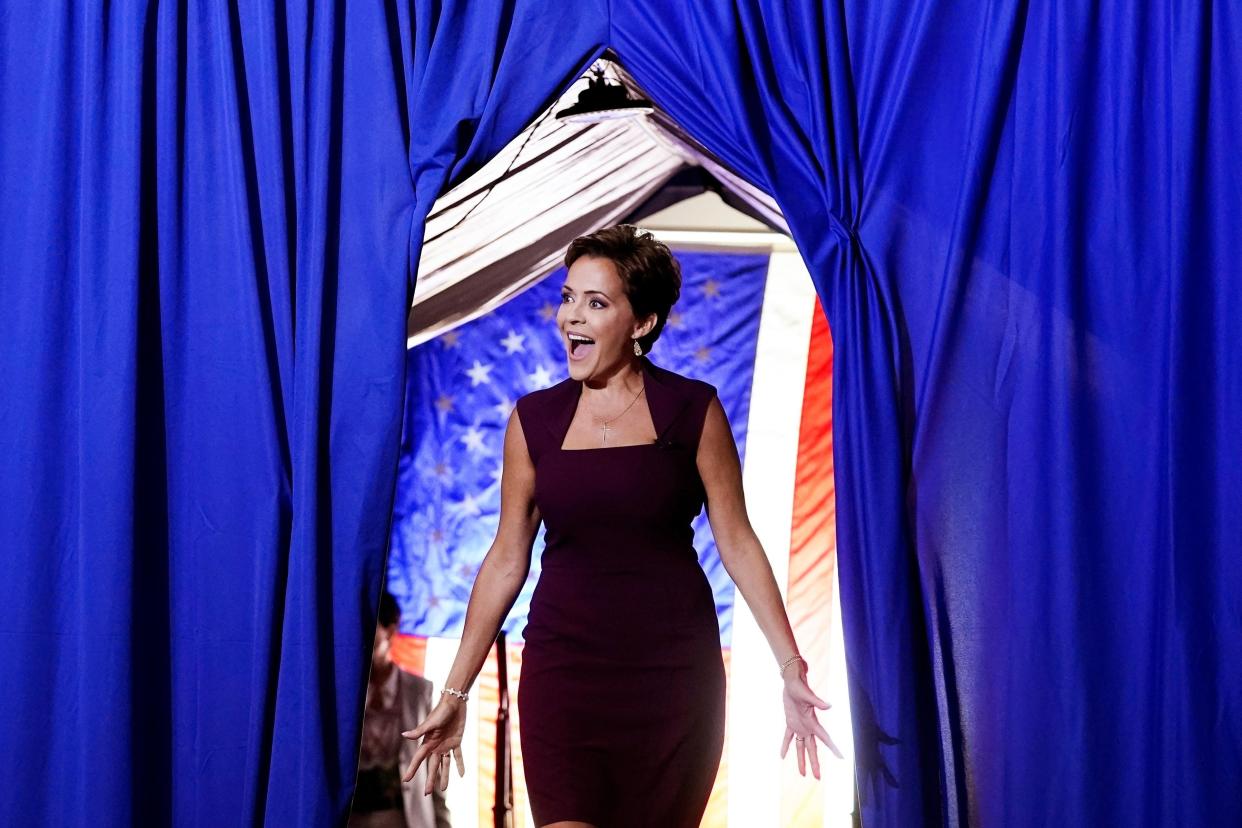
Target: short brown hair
[{"x": 650, "y": 275}]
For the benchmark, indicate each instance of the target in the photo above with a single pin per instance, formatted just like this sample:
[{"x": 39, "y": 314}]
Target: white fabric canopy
[{"x": 508, "y": 225}]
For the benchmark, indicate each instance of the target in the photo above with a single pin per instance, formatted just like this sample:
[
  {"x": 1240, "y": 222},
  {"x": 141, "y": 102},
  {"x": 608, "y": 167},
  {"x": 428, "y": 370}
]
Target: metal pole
[{"x": 503, "y": 809}]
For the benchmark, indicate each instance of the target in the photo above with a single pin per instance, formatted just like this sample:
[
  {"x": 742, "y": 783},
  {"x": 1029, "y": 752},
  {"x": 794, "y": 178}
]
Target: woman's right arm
[
  {"x": 506, "y": 564},
  {"x": 496, "y": 586}
]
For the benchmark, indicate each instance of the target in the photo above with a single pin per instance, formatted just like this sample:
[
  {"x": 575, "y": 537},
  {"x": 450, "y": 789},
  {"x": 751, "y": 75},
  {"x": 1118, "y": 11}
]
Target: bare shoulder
[
  {"x": 515, "y": 434},
  {"x": 717, "y": 435},
  {"x": 519, "y": 514},
  {"x": 720, "y": 469},
  {"x": 702, "y": 389},
  {"x": 517, "y": 469}
]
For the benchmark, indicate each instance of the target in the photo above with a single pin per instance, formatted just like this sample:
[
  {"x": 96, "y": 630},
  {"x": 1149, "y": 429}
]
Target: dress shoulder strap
[
  {"x": 533, "y": 429},
  {"x": 687, "y": 426},
  {"x": 698, "y": 410},
  {"x": 545, "y": 414}
]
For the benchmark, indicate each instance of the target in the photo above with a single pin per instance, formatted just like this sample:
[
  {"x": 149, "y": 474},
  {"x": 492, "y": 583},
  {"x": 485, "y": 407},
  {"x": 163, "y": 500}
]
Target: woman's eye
[{"x": 595, "y": 303}]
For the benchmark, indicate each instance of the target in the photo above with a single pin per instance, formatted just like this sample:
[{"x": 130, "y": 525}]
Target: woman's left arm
[{"x": 747, "y": 564}]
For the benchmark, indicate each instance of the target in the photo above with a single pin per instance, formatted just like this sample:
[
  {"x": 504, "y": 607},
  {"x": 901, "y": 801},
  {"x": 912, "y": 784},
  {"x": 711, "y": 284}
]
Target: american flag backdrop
[{"x": 749, "y": 323}]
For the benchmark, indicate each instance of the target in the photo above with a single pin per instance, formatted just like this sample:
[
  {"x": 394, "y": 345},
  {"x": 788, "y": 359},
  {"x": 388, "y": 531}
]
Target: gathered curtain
[
  {"x": 1018, "y": 218},
  {"x": 210, "y": 222}
]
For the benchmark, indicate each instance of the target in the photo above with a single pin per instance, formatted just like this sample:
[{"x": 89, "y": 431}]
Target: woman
[{"x": 622, "y": 698}]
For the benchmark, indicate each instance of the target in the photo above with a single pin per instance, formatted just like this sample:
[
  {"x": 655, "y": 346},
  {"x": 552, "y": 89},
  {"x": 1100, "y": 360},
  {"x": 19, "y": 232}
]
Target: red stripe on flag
[
  {"x": 409, "y": 652},
  {"x": 812, "y": 555}
]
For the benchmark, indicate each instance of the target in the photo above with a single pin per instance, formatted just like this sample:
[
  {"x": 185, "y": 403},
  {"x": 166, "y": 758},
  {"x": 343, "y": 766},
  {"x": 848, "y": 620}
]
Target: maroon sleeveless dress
[{"x": 622, "y": 696}]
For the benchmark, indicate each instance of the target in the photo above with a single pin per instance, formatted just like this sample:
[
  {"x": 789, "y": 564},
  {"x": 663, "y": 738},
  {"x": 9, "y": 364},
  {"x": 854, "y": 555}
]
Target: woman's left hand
[{"x": 801, "y": 725}]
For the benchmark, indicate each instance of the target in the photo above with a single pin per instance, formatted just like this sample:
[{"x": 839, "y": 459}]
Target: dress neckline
[{"x": 577, "y": 398}]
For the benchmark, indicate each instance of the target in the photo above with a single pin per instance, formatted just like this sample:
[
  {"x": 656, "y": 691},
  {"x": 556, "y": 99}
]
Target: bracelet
[
  {"x": 455, "y": 693},
  {"x": 791, "y": 660}
]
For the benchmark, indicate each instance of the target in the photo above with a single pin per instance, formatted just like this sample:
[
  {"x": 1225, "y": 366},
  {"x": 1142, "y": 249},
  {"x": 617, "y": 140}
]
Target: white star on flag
[
  {"x": 479, "y": 373},
  {"x": 513, "y": 342},
  {"x": 473, "y": 438},
  {"x": 503, "y": 408},
  {"x": 540, "y": 378}
]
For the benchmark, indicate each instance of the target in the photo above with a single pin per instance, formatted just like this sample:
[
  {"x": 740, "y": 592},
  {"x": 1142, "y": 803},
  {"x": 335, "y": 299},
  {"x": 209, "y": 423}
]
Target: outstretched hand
[
  {"x": 801, "y": 725},
  {"x": 441, "y": 733}
]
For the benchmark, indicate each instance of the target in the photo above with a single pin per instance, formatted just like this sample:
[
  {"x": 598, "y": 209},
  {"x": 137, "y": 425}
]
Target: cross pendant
[{"x": 605, "y": 428}]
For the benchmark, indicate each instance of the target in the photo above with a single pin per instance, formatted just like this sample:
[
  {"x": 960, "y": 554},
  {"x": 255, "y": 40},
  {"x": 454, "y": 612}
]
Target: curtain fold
[
  {"x": 1017, "y": 219},
  {"x": 767, "y": 87},
  {"x": 1020, "y": 222},
  {"x": 210, "y": 219}
]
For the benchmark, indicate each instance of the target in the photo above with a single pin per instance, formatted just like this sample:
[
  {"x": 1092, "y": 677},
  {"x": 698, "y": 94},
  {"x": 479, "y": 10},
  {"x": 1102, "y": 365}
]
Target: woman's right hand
[{"x": 441, "y": 733}]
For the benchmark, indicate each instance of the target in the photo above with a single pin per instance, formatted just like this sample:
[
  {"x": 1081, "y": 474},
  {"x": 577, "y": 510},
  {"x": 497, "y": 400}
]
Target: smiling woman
[
  {"x": 613, "y": 268},
  {"x": 622, "y": 698},
  {"x": 620, "y": 286}
]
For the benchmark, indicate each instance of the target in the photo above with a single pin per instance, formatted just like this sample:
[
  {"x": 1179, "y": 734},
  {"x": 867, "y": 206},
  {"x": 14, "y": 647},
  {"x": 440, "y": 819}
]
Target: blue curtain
[
  {"x": 209, "y": 222},
  {"x": 1019, "y": 219}
]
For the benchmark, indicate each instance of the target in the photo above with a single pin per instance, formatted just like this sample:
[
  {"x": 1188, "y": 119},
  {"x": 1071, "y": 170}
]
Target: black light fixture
[{"x": 604, "y": 100}]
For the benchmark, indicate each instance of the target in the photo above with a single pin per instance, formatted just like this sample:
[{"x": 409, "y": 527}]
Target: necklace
[{"x": 605, "y": 428}]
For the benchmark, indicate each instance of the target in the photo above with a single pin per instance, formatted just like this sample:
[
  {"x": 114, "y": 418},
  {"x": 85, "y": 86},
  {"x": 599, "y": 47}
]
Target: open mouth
[{"x": 580, "y": 347}]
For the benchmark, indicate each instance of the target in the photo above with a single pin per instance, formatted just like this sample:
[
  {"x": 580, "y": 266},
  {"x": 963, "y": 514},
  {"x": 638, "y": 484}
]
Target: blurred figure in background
[{"x": 396, "y": 701}]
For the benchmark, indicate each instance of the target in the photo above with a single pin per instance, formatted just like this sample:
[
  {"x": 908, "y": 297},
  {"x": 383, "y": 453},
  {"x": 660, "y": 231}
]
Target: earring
[{"x": 638, "y": 349}]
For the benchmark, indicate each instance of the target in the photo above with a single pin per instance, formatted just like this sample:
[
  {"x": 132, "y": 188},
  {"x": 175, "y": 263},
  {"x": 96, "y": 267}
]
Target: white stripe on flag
[{"x": 755, "y": 718}]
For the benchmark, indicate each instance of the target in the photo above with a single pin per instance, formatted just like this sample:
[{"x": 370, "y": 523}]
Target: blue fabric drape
[
  {"x": 207, "y": 229},
  {"x": 768, "y": 87},
  {"x": 1018, "y": 218}
]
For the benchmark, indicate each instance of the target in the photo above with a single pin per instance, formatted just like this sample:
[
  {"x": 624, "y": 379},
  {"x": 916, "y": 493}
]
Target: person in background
[{"x": 396, "y": 701}]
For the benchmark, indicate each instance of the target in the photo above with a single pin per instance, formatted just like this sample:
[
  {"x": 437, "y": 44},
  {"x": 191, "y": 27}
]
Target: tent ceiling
[{"x": 507, "y": 225}]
